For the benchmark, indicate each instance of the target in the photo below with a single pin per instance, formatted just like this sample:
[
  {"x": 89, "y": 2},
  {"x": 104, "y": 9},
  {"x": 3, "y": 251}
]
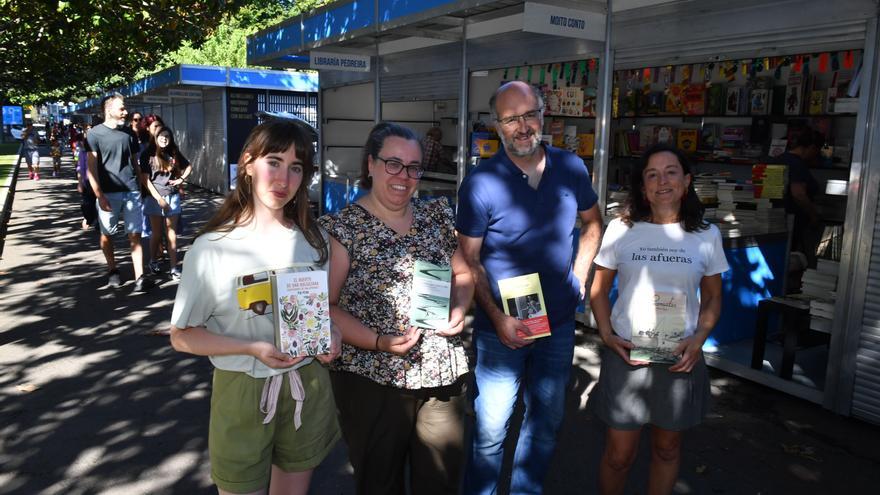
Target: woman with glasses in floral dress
[{"x": 399, "y": 386}]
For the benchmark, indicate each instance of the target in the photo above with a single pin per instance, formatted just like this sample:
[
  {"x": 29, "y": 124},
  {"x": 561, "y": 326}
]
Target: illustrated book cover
[
  {"x": 523, "y": 299},
  {"x": 302, "y": 316},
  {"x": 430, "y": 294},
  {"x": 657, "y": 333}
]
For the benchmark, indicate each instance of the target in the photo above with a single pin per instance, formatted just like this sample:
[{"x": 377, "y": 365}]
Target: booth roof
[
  {"x": 202, "y": 75},
  {"x": 358, "y": 25}
]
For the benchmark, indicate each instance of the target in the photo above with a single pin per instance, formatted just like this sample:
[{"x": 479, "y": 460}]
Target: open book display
[
  {"x": 657, "y": 333},
  {"x": 522, "y": 298},
  {"x": 302, "y": 321},
  {"x": 429, "y": 299}
]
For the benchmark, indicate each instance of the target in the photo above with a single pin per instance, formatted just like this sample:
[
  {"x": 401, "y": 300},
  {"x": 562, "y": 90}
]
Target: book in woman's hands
[
  {"x": 522, "y": 298},
  {"x": 658, "y": 329},
  {"x": 429, "y": 298},
  {"x": 302, "y": 316}
]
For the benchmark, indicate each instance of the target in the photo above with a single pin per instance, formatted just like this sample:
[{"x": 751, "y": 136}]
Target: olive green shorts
[{"x": 242, "y": 449}]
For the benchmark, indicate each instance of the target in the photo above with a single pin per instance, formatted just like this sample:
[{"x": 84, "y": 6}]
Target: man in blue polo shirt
[{"x": 516, "y": 216}]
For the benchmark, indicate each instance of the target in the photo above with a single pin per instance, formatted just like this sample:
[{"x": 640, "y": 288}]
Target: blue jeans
[{"x": 544, "y": 367}]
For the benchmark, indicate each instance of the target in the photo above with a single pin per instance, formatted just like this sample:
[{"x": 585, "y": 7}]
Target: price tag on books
[
  {"x": 429, "y": 298},
  {"x": 302, "y": 317},
  {"x": 522, "y": 298}
]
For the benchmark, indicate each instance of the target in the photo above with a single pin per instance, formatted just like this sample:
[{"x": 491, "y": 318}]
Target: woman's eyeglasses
[{"x": 394, "y": 166}]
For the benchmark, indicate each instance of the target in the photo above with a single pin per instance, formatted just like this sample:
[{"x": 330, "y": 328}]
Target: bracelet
[{"x": 378, "y": 335}]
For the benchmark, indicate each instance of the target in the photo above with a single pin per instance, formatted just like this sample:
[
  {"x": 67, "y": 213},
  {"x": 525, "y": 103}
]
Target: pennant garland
[
  {"x": 516, "y": 74},
  {"x": 824, "y": 58},
  {"x": 504, "y": 77},
  {"x": 835, "y": 61},
  {"x": 529, "y": 75},
  {"x": 848, "y": 61}
]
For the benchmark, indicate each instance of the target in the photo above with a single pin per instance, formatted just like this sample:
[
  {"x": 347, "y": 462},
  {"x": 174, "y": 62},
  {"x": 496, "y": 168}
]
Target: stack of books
[
  {"x": 821, "y": 286},
  {"x": 769, "y": 180},
  {"x": 706, "y": 189},
  {"x": 616, "y": 200}
]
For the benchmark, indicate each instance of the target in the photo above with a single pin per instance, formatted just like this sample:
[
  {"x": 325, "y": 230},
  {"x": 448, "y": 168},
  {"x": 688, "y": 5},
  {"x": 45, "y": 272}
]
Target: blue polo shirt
[{"x": 527, "y": 230}]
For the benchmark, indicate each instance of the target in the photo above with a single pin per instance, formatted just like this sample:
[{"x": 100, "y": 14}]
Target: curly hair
[{"x": 637, "y": 208}]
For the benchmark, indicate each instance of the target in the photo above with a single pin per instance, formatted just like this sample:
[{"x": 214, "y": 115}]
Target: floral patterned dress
[{"x": 377, "y": 292}]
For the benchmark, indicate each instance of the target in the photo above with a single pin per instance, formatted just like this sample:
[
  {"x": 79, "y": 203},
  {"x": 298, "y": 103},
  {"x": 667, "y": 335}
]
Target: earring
[{"x": 247, "y": 178}]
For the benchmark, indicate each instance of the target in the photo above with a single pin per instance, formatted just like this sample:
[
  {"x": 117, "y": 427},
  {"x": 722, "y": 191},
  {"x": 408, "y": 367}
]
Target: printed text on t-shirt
[{"x": 661, "y": 255}]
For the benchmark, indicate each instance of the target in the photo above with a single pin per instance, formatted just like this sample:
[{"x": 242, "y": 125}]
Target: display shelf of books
[{"x": 736, "y": 114}]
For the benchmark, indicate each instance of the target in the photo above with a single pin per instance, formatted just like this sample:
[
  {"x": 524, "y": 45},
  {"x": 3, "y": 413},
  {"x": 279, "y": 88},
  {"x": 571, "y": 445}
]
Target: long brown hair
[
  {"x": 170, "y": 158},
  {"x": 272, "y": 136}
]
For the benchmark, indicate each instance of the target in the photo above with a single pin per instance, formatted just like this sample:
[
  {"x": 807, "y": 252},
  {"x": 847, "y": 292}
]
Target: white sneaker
[{"x": 175, "y": 273}]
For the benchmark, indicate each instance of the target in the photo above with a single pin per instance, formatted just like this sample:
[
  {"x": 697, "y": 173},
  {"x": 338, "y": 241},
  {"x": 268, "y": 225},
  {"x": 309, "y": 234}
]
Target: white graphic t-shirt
[
  {"x": 225, "y": 287},
  {"x": 659, "y": 269}
]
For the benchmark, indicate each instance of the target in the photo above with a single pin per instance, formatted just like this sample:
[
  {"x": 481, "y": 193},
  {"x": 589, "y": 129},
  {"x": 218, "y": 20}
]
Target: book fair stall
[{"x": 727, "y": 82}]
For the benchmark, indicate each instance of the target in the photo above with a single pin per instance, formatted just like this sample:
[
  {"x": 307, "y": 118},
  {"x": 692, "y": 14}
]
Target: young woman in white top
[{"x": 273, "y": 417}]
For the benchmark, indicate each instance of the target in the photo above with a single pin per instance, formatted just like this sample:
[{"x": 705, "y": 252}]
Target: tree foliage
[
  {"x": 69, "y": 50},
  {"x": 227, "y": 45}
]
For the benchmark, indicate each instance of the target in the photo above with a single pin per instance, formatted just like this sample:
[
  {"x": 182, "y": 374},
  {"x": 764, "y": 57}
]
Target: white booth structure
[{"x": 435, "y": 63}]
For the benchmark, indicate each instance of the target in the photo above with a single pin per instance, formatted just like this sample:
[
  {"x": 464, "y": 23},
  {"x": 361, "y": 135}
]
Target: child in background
[{"x": 56, "y": 156}]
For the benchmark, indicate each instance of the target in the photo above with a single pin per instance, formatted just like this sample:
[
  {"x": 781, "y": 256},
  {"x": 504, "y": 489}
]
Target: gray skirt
[{"x": 629, "y": 397}]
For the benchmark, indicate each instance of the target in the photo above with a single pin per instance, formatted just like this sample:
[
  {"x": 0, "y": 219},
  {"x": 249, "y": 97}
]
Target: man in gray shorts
[{"x": 116, "y": 180}]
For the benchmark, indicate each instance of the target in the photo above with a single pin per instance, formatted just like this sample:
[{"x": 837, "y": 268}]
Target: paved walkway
[{"x": 92, "y": 402}]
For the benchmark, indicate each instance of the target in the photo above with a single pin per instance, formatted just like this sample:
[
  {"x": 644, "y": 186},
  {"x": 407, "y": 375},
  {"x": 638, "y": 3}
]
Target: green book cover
[
  {"x": 429, "y": 298},
  {"x": 657, "y": 333}
]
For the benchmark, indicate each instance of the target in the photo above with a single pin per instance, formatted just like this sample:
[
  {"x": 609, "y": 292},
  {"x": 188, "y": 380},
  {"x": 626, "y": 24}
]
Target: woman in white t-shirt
[
  {"x": 668, "y": 263},
  {"x": 273, "y": 416}
]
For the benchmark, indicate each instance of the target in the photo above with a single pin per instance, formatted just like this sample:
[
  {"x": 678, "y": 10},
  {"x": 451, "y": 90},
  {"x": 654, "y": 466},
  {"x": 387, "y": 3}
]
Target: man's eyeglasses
[
  {"x": 529, "y": 118},
  {"x": 394, "y": 166}
]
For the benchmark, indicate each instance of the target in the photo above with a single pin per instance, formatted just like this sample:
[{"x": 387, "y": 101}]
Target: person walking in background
[
  {"x": 165, "y": 169},
  {"x": 88, "y": 200},
  {"x": 31, "y": 151},
  {"x": 433, "y": 149},
  {"x": 55, "y": 151},
  {"x": 264, "y": 224},
  {"x": 516, "y": 216},
  {"x": 400, "y": 388},
  {"x": 116, "y": 181},
  {"x": 668, "y": 263},
  {"x": 152, "y": 123}
]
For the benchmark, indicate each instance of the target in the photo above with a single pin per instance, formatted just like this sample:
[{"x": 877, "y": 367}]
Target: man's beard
[{"x": 511, "y": 149}]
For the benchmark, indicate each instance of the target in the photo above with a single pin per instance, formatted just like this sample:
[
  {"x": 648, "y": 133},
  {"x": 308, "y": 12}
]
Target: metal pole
[
  {"x": 603, "y": 125},
  {"x": 860, "y": 224},
  {"x": 377, "y": 95},
  {"x": 463, "y": 145}
]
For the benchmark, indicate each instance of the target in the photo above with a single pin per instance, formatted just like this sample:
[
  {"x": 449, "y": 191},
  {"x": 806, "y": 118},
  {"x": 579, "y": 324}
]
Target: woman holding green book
[
  {"x": 668, "y": 263},
  {"x": 399, "y": 382},
  {"x": 272, "y": 415}
]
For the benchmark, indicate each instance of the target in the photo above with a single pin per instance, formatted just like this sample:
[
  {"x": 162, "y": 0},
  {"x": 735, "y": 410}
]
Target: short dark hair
[
  {"x": 375, "y": 141},
  {"x": 106, "y": 99},
  {"x": 637, "y": 209}
]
